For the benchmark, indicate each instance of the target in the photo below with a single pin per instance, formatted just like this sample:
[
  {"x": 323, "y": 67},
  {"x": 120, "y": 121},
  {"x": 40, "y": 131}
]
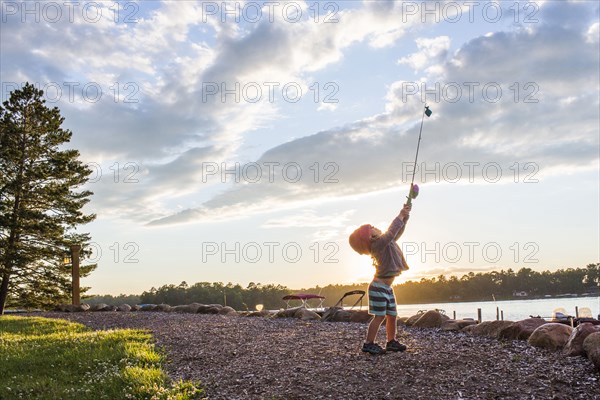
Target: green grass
[{"x": 44, "y": 358}]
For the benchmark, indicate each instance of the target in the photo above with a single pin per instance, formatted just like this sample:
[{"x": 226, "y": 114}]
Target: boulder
[
  {"x": 193, "y": 307},
  {"x": 163, "y": 307},
  {"x": 135, "y": 307},
  {"x": 262, "y": 313},
  {"x": 361, "y": 316},
  {"x": 227, "y": 311},
  {"x": 341, "y": 316},
  {"x": 457, "y": 324},
  {"x": 469, "y": 328},
  {"x": 490, "y": 328},
  {"x": 209, "y": 308},
  {"x": 73, "y": 307},
  {"x": 148, "y": 307},
  {"x": 551, "y": 336},
  {"x": 183, "y": 308},
  {"x": 306, "y": 315},
  {"x": 431, "y": 319},
  {"x": 109, "y": 308},
  {"x": 591, "y": 342},
  {"x": 124, "y": 307},
  {"x": 574, "y": 346},
  {"x": 98, "y": 307},
  {"x": 329, "y": 313},
  {"x": 591, "y": 347},
  {"x": 187, "y": 308},
  {"x": 521, "y": 330},
  {"x": 287, "y": 313},
  {"x": 411, "y": 320},
  {"x": 401, "y": 320},
  {"x": 64, "y": 308}
]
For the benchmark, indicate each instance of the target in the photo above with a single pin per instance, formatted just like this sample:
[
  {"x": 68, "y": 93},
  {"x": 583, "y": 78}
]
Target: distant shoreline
[{"x": 524, "y": 298}]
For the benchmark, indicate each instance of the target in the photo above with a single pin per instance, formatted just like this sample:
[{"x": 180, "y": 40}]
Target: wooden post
[
  {"x": 454, "y": 314},
  {"x": 502, "y": 315},
  {"x": 75, "y": 249},
  {"x": 497, "y": 313},
  {"x": 576, "y": 312},
  {"x": 479, "y": 315}
]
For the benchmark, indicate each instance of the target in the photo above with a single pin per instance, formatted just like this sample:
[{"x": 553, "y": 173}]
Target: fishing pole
[{"x": 414, "y": 189}]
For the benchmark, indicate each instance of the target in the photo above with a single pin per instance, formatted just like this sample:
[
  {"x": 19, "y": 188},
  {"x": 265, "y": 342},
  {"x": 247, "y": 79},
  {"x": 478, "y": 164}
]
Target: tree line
[
  {"x": 235, "y": 296},
  {"x": 503, "y": 285}
]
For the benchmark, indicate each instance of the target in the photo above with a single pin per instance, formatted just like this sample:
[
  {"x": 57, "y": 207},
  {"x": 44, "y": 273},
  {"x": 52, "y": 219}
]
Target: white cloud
[
  {"x": 309, "y": 219},
  {"x": 593, "y": 34},
  {"x": 325, "y": 235},
  {"x": 327, "y": 107},
  {"x": 431, "y": 51},
  {"x": 170, "y": 53},
  {"x": 547, "y": 65}
]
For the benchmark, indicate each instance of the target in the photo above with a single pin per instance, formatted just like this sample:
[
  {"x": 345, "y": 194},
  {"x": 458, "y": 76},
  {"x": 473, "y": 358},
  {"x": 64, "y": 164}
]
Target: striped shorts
[{"x": 381, "y": 299}]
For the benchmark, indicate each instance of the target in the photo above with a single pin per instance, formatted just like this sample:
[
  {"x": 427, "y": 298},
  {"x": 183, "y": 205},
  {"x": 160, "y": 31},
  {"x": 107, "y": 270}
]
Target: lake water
[{"x": 514, "y": 310}]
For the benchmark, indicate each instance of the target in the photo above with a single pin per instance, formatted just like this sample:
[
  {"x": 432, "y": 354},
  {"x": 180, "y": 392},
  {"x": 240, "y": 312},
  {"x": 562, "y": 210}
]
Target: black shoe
[
  {"x": 394, "y": 345},
  {"x": 372, "y": 348}
]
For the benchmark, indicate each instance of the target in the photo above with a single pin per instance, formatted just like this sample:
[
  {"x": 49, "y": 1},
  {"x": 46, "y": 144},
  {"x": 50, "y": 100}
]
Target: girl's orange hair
[{"x": 360, "y": 240}]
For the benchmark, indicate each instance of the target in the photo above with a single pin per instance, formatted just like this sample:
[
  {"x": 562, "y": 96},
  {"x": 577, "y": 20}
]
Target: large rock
[
  {"x": 489, "y": 328},
  {"x": 521, "y": 330},
  {"x": 431, "y": 319},
  {"x": 73, "y": 307},
  {"x": 306, "y": 315},
  {"x": 338, "y": 314},
  {"x": 209, "y": 308},
  {"x": 591, "y": 346},
  {"x": 98, "y": 307},
  {"x": 261, "y": 313},
  {"x": 136, "y": 307},
  {"x": 187, "y": 308},
  {"x": 287, "y": 313},
  {"x": 457, "y": 324},
  {"x": 361, "y": 316},
  {"x": 163, "y": 308},
  {"x": 469, "y": 328},
  {"x": 551, "y": 336},
  {"x": 341, "y": 316},
  {"x": 124, "y": 307},
  {"x": 148, "y": 307},
  {"x": 411, "y": 320},
  {"x": 329, "y": 313},
  {"x": 193, "y": 307},
  {"x": 227, "y": 311},
  {"x": 574, "y": 346},
  {"x": 183, "y": 308}
]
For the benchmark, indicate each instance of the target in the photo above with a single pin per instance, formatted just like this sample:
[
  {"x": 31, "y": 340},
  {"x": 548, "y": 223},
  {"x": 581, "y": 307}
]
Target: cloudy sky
[{"x": 243, "y": 141}]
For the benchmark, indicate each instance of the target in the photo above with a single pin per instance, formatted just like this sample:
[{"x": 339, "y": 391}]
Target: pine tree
[{"x": 40, "y": 205}]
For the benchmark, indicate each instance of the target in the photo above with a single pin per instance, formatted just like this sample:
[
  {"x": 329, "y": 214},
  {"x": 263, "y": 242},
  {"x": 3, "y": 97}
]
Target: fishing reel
[{"x": 413, "y": 193}]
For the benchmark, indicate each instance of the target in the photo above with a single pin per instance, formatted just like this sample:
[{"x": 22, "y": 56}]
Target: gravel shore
[{"x": 257, "y": 358}]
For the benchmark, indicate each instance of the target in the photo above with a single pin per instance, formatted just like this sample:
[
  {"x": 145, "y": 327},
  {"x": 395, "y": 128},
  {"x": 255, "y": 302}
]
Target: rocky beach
[{"x": 237, "y": 357}]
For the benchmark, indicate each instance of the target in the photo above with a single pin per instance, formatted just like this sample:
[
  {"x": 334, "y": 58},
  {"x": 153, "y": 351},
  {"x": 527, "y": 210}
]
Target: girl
[{"x": 389, "y": 262}]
